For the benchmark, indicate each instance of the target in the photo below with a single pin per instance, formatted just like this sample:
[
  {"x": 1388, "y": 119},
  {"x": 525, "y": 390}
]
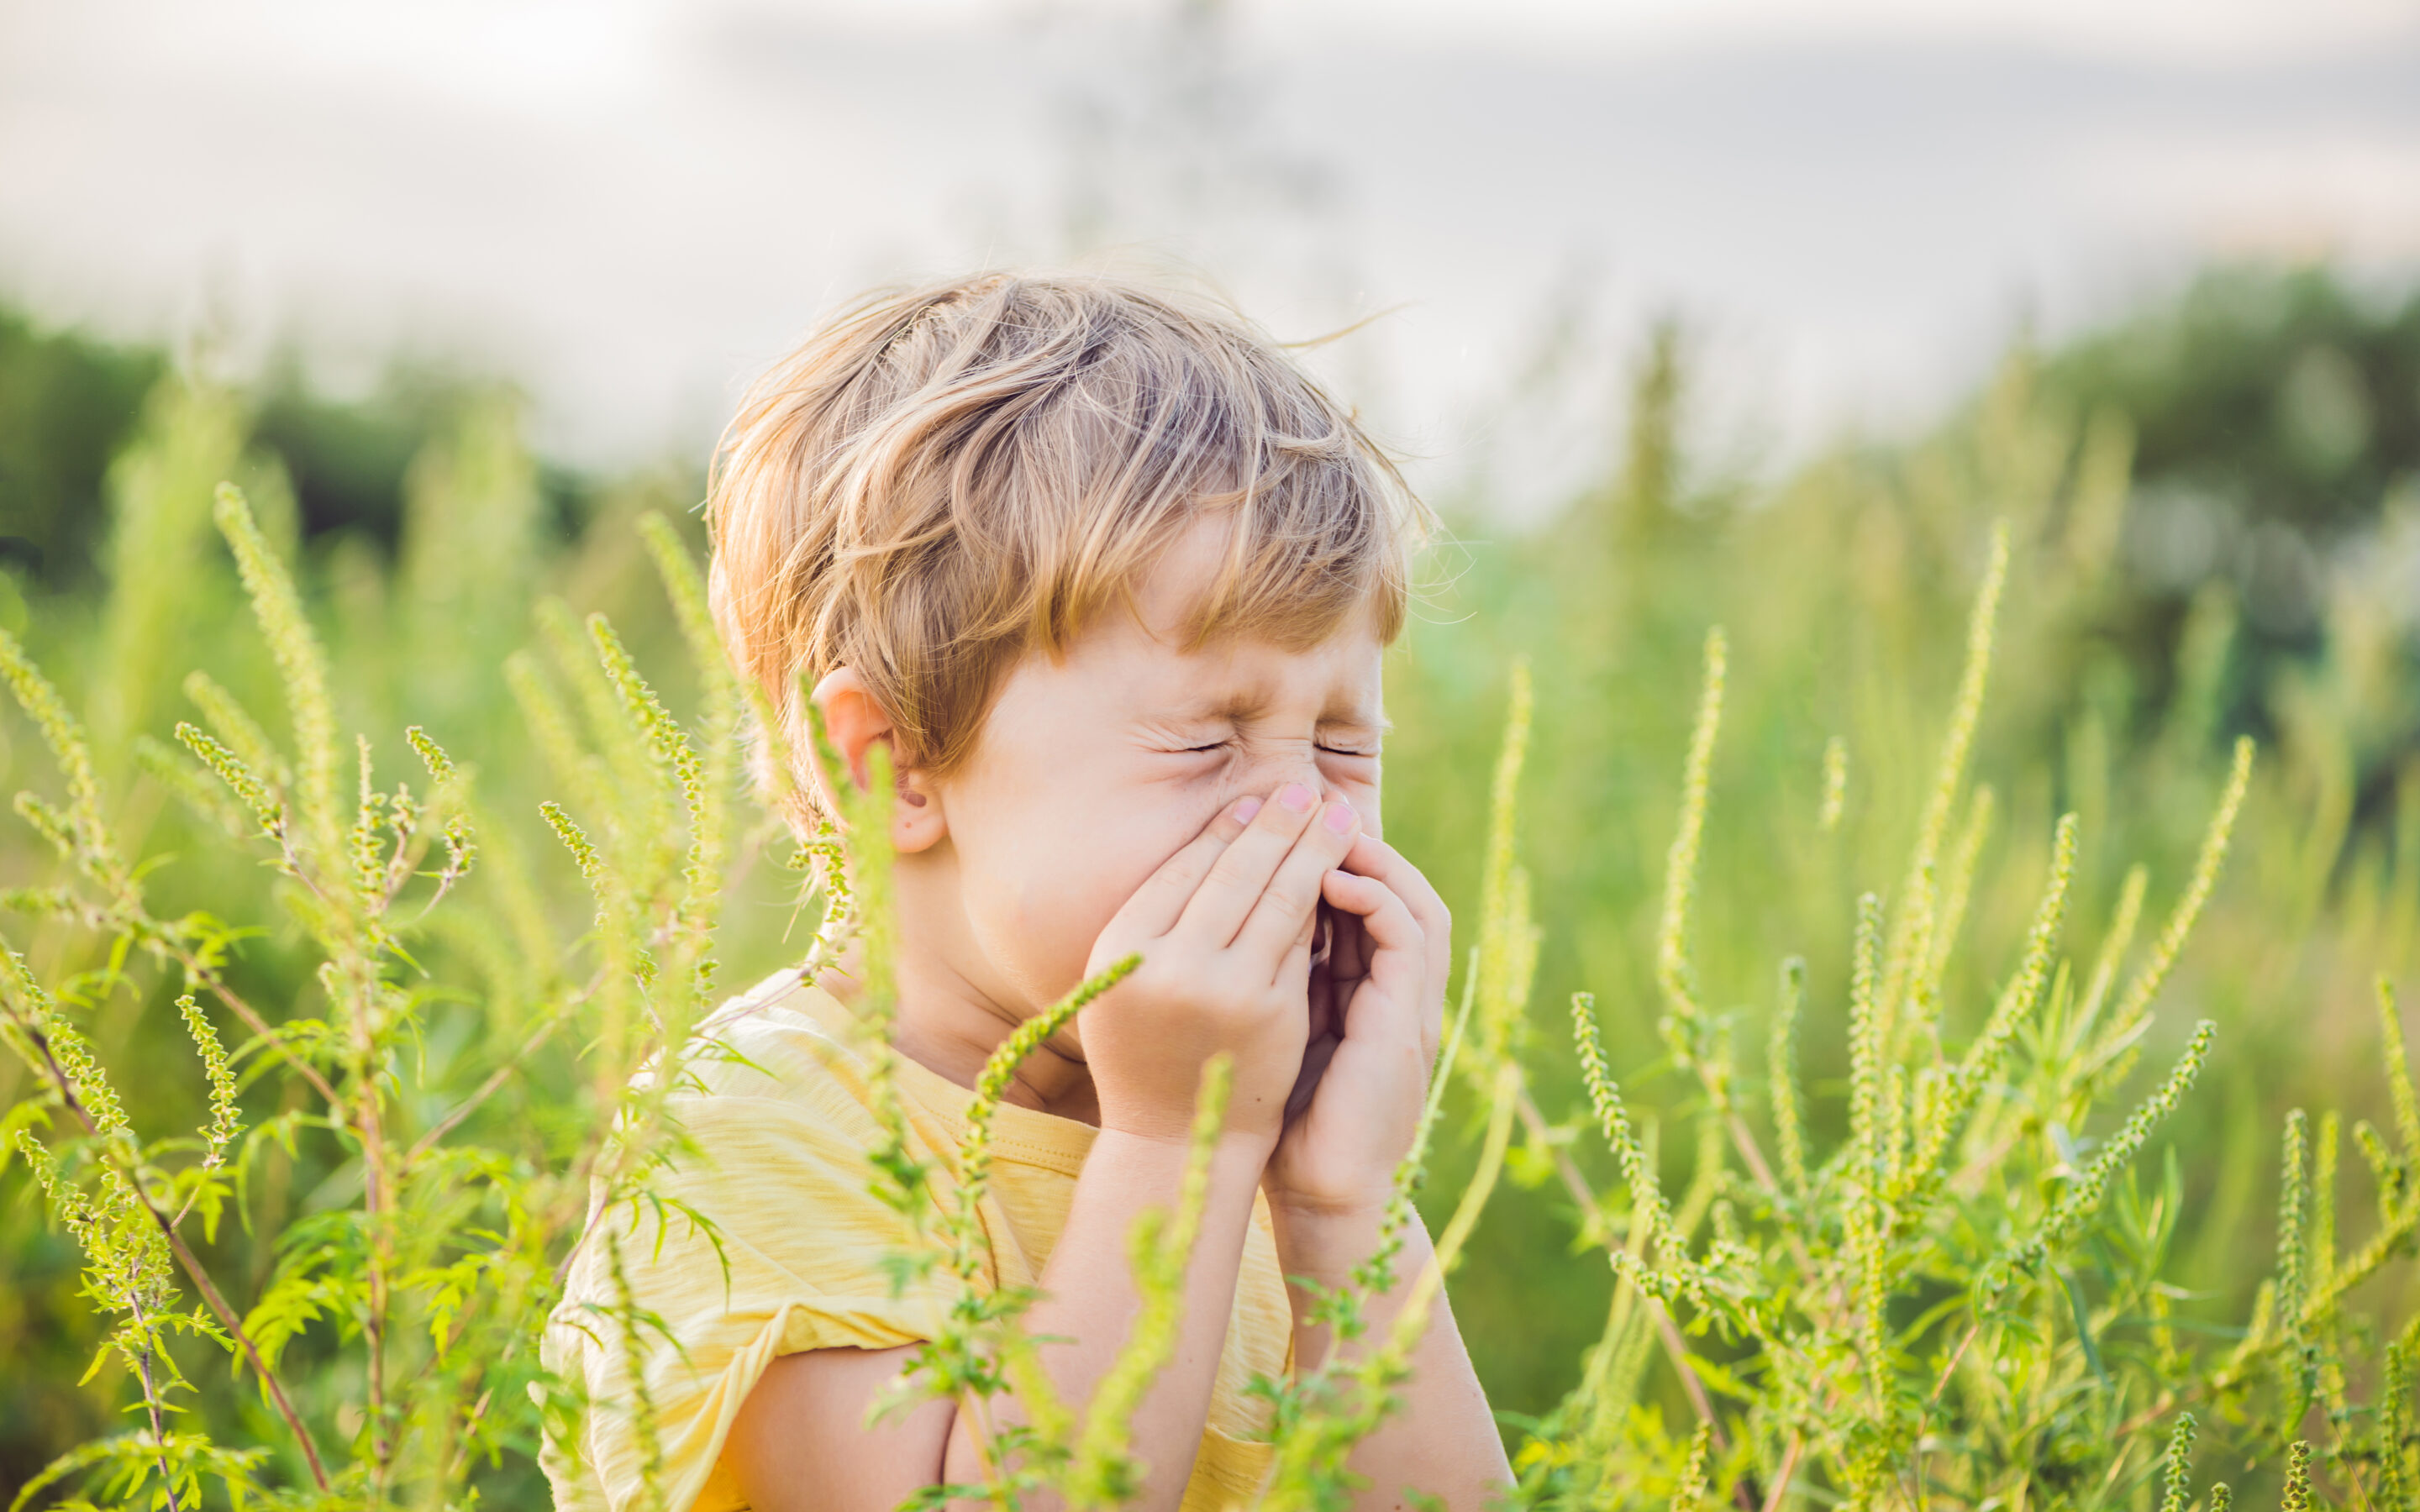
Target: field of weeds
[{"x": 1928, "y": 1039}]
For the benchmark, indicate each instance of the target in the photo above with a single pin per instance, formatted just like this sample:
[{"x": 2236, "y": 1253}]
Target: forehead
[
  {"x": 1152, "y": 651},
  {"x": 1209, "y": 578}
]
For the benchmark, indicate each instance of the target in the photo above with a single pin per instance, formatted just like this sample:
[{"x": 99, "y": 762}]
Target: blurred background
[
  {"x": 1757, "y": 312},
  {"x": 627, "y": 206}
]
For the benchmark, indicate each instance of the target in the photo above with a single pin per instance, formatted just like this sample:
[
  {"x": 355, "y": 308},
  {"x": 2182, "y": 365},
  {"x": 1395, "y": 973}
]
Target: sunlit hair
[{"x": 941, "y": 482}]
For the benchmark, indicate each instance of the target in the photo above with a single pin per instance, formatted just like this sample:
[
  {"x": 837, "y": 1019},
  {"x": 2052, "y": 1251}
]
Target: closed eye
[{"x": 1222, "y": 744}]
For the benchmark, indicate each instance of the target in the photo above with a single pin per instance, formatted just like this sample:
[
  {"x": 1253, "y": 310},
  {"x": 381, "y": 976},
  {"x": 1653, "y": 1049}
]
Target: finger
[
  {"x": 1217, "y": 908},
  {"x": 1334, "y": 975},
  {"x": 1337, "y": 962},
  {"x": 1313, "y": 973},
  {"x": 1396, "y": 973},
  {"x": 1292, "y": 894},
  {"x": 1295, "y": 965},
  {"x": 1157, "y": 904},
  {"x": 1374, "y": 858}
]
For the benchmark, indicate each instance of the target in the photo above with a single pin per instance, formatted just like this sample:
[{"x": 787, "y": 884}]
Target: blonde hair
[{"x": 942, "y": 481}]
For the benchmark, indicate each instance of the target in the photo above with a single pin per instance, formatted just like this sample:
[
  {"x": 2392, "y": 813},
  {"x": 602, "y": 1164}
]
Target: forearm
[
  {"x": 1442, "y": 1440},
  {"x": 1089, "y": 1305}
]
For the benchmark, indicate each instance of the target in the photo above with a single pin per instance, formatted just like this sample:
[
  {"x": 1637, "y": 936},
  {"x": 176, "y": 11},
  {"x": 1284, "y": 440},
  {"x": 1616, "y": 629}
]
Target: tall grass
[{"x": 1876, "y": 1164}]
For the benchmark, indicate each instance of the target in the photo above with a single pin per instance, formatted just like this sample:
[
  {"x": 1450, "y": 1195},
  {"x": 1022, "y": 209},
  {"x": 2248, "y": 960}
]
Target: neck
[{"x": 949, "y": 1021}]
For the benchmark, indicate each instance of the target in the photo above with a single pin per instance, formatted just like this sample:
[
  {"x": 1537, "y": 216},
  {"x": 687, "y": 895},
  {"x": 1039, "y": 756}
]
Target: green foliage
[
  {"x": 2273, "y": 440},
  {"x": 2278, "y": 392},
  {"x": 426, "y": 1275},
  {"x": 67, "y": 402},
  {"x": 1942, "y": 1310},
  {"x": 317, "y": 1069}
]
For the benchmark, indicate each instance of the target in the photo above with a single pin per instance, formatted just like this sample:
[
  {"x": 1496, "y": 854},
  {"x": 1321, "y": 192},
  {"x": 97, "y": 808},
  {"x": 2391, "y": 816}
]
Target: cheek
[
  {"x": 1047, "y": 893},
  {"x": 1362, "y": 792}
]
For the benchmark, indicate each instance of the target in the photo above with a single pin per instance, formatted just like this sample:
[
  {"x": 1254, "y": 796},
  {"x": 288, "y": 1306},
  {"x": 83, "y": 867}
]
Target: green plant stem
[
  {"x": 496, "y": 1079},
  {"x": 1780, "y": 1491},
  {"x": 1576, "y": 1182},
  {"x": 63, "y": 1086},
  {"x": 151, "y": 1407}
]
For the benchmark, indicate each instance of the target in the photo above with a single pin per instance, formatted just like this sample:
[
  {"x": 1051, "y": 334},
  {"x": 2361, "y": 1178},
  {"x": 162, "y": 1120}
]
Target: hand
[
  {"x": 1224, "y": 929},
  {"x": 1377, "y": 1007}
]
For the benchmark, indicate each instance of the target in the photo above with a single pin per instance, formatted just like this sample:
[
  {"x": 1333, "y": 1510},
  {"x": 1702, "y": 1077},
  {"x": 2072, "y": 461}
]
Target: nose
[
  {"x": 1287, "y": 774},
  {"x": 1268, "y": 780}
]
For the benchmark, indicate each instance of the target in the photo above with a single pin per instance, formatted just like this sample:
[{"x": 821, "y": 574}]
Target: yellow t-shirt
[{"x": 783, "y": 1123}]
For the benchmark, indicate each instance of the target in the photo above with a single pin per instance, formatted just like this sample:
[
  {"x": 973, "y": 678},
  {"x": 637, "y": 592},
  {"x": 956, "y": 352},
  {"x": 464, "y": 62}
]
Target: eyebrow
[{"x": 1238, "y": 708}]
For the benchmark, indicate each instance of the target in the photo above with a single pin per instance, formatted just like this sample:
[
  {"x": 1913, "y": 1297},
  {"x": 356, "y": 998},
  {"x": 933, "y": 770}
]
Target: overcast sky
[{"x": 630, "y": 205}]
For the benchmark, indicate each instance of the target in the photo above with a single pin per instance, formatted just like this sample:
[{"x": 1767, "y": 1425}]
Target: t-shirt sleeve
[{"x": 771, "y": 1241}]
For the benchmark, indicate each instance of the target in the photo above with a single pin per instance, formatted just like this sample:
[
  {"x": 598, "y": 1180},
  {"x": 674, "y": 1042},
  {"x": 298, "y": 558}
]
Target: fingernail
[
  {"x": 1339, "y": 817},
  {"x": 1295, "y": 797},
  {"x": 1245, "y": 811}
]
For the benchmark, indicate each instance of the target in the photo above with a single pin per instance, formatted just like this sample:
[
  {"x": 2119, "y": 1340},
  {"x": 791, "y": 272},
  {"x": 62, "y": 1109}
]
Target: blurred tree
[
  {"x": 349, "y": 460},
  {"x": 68, "y": 402},
  {"x": 2278, "y": 396},
  {"x": 2277, "y": 421}
]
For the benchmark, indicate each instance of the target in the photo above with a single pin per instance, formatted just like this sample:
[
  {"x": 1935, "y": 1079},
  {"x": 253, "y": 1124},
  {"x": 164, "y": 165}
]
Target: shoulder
[
  {"x": 762, "y": 1235},
  {"x": 770, "y": 1116},
  {"x": 769, "y": 1035},
  {"x": 782, "y": 1046},
  {"x": 765, "y": 1193}
]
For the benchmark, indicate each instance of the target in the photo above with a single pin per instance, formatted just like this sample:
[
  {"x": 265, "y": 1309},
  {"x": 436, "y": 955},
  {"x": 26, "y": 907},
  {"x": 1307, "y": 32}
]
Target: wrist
[
  {"x": 1153, "y": 1142},
  {"x": 1327, "y": 1240},
  {"x": 1245, "y": 1124}
]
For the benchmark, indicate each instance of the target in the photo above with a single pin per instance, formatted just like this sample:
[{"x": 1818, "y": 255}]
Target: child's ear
[
  {"x": 856, "y": 721},
  {"x": 916, "y": 817}
]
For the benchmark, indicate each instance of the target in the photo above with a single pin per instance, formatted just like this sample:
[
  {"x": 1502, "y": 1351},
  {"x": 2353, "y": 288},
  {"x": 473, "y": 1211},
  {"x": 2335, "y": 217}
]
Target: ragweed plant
[
  {"x": 392, "y": 1341},
  {"x": 1966, "y": 1301},
  {"x": 1948, "y": 1284}
]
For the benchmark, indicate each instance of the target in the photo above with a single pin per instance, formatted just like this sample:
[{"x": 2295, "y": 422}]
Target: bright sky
[
  {"x": 633, "y": 204},
  {"x": 2160, "y": 30},
  {"x": 2208, "y": 31}
]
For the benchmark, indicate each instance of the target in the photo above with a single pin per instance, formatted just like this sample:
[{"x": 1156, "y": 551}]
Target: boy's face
[{"x": 1093, "y": 770}]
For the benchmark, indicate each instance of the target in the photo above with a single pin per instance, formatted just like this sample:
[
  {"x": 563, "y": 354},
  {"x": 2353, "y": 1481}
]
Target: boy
[{"x": 1110, "y": 579}]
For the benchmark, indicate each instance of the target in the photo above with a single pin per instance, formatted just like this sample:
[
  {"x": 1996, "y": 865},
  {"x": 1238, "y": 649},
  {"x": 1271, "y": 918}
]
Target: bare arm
[
  {"x": 801, "y": 1440},
  {"x": 1442, "y": 1440},
  {"x": 1377, "y": 1003},
  {"x": 801, "y": 1444},
  {"x": 1224, "y": 930}
]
